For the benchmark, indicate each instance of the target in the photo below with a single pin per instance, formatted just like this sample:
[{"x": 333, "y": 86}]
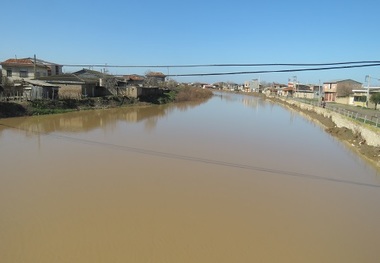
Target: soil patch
[{"x": 10, "y": 109}]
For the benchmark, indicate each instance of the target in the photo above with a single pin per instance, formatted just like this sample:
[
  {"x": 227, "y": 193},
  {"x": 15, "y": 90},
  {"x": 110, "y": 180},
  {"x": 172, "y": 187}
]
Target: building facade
[
  {"x": 16, "y": 70},
  {"x": 339, "y": 89}
]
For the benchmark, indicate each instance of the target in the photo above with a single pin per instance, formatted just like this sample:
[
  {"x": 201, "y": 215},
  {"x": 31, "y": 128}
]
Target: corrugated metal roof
[
  {"x": 63, "y": 78},
  {"x": 40, "y": 83}
]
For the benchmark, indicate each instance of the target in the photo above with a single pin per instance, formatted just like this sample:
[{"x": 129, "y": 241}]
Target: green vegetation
[
  {"x": 173, "y": 93},
  {"x": 375, "y": 98},
  {"x": 167, "y": 97}
]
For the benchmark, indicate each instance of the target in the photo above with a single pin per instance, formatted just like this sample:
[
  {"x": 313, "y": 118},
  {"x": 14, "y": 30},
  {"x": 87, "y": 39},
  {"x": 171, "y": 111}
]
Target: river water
[{"x": 233, "y": 179}]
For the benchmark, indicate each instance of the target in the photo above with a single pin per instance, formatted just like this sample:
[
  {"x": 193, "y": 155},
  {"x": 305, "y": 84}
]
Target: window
[
  {"x": 23, "y": 73},
  {"x": 360, "y": 98},
  {"x": 9, "y": 73}
]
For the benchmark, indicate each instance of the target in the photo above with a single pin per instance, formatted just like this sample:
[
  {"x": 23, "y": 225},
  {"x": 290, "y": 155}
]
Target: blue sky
[{"x": 168, "y": 32}]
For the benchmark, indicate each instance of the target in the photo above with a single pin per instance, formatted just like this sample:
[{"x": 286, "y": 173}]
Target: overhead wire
[
  {"x": 271, "y": 71},
  {"x": 306, "y": 67},
  {"x": 225, "y": 65}
]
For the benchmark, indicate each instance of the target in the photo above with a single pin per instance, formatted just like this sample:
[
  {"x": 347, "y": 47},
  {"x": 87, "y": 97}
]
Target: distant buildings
[{"x": 34, "y": 78}]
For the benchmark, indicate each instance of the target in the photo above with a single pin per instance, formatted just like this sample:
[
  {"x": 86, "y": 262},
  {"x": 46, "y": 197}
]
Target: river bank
[
  {"x": 43, "y": 107},
  {"x": 359, "y": 138},
  {"x": 364, "y": 141},
  {"x": 355, "y": 136}
]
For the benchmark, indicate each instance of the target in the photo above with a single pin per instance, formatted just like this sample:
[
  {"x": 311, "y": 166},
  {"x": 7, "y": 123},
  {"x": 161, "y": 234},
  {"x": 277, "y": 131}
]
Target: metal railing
[{"x": 369, "y": 118}]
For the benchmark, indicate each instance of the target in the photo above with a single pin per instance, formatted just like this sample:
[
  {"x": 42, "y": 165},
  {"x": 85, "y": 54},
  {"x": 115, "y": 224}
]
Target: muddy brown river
[{"x": 234, "y": 179}]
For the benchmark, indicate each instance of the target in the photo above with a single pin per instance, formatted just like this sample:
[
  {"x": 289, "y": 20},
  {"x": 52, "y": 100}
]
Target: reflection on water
[
  {"x": 88, "y": 120},
  {"x": 230, "y": 180}
]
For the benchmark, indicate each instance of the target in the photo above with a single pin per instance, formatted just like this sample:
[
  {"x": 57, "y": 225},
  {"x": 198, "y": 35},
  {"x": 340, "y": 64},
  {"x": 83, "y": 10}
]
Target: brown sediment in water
[{"x": 122, "y": 185}]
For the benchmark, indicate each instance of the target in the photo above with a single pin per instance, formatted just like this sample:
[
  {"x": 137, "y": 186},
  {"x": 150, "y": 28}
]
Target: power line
[
  {"x": 311, "y": 67},
  {"x": 272, "y": 71},
  {"x": 226, "y": 65}
]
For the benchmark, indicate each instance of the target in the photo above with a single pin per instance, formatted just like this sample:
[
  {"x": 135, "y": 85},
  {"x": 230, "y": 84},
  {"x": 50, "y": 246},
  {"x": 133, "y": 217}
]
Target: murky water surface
[{"x": 234, "y": 179}]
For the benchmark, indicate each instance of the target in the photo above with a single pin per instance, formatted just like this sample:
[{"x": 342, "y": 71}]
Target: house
[
  {"x": 199, "y": 84},
  {"x": 247, "y": 86},
  {"x": 17, "y": 70},
  {"x": 208, "y": 86},
  {"x": 86, "y": 83},
  {"x": 70, "y": 85},
  {"x": 252, "y": 85},
  {"x": 270, "y": 91},
  {"x": 105, "y": 84},
  {"x": 305, "y": 91},
  {"x": 360, "y": 97},
  {"x": 134, "y": 79},
  {"x": 36, "y": 89},
  {"x": 278, "y": 87},
  {"x": 139, "y": 86},
  {"x": 154, "y": 78},
  {"x": 91, "y": 83},
  {"x": 340, "y": 90},
  {"x": 287, "y": 92}
]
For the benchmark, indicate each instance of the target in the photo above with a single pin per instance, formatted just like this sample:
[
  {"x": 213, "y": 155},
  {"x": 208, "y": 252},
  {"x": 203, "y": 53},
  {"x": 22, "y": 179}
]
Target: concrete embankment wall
[{"x": 371, "y": 136}]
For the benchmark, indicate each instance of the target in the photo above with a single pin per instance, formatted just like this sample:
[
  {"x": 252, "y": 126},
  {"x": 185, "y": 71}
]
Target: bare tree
[
  {"x": 8, "y": 86},
  {"x": 171, "y": 84},
  {"x": 345, "y": 89},
  {"x": 149, "y": 81},
  {"x": 154, "y": 79}
]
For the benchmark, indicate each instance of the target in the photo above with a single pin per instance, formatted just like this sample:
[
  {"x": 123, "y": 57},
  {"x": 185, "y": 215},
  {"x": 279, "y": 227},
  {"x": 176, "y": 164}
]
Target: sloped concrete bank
[{"x": 363, "y": 139}]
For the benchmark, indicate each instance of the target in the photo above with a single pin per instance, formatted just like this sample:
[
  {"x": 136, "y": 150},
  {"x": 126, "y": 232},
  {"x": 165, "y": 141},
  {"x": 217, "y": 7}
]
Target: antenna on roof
[{"x": 35, "y": 62}]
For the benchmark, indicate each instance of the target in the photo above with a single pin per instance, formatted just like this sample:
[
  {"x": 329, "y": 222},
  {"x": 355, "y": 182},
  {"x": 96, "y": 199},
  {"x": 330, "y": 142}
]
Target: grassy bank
[{"x": 41, "y": 107}]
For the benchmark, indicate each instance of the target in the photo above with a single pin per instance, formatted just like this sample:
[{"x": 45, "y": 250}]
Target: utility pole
[
  {"x": 368, "y": 79},
  {"x": 258, "y": 84}
]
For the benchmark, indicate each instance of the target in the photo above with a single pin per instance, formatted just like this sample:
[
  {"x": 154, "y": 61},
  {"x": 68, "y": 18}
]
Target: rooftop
[{"x": 26, "y": 62}]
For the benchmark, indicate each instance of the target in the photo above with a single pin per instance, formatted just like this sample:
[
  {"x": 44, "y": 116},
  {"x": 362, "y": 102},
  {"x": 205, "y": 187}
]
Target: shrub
[{"x": 187, "y": 93}]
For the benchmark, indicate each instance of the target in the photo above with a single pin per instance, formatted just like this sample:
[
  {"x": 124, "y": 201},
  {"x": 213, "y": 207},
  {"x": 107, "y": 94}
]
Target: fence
[
  {"x": 11, "y": 97},
  {"x": 368, "y": 118}
]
